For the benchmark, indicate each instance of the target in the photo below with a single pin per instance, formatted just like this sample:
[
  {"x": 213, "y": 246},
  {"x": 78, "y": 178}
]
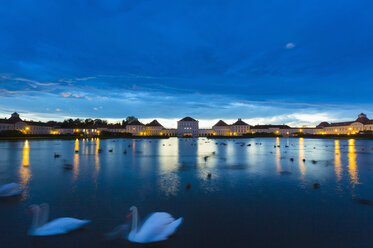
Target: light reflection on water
[
  {"x": 278, "y": 155},
  {"x": 352, "y": 166},
  {"x": 337, "y": 160},
  {"x": 24, "y": 170},
  {"x": 168, "y": 159},
  {"x": 247, "y": 195},
  {"x": 302, "y": 167}
]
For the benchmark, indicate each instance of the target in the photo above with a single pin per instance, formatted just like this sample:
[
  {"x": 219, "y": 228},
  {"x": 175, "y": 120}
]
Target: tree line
[{"x": 90, "y": 123}]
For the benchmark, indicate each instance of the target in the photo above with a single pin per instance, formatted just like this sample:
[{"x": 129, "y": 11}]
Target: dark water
[{"x": 256, "y": 197}]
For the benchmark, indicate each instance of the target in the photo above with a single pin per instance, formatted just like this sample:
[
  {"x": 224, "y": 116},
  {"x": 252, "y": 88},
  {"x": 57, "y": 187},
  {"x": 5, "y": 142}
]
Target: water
[{"x": 256, "y": 197}]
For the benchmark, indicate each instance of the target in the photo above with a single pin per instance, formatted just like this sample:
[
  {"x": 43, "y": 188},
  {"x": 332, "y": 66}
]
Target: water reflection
[
  {"x": 352, "y": 166},
  {"x": 302, "y": 167},
  {"x": 278, "y": 155},
  {"x": 337, "y": 160},
  {"x": 97, "y": 159},
  {"x": 168, "y": 159},
  {"x": 24, "y": 170},
  {"x": 76, "y": 160}
]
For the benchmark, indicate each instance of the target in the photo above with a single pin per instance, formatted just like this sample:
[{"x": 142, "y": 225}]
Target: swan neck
[
  {"x": 134, "y": 220},
  {"x": 35, "y": 218}
]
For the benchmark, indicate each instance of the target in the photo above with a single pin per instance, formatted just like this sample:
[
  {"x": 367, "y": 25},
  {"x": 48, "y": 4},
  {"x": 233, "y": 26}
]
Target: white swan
[
  {"x": 158, "y": 227},
  {"x": 10, "y": 189},
  {"x": 41, "y": 227}
]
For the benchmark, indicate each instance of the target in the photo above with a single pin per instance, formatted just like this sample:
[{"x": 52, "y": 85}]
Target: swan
[
  {"x": 41, "y": 227},
  {"x": 157, "y": 227},
  {"x": 10, "y": 189}
]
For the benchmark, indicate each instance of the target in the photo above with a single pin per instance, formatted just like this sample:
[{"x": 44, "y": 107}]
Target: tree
[{"x": 130, "y": 118}]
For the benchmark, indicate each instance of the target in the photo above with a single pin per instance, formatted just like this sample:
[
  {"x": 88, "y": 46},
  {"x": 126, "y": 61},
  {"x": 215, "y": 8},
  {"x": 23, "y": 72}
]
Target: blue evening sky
[{"x": 285, "y": 61}]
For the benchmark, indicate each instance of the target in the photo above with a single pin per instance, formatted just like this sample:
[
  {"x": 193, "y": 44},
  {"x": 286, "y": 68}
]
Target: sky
[{"x": 267, "y": 62}]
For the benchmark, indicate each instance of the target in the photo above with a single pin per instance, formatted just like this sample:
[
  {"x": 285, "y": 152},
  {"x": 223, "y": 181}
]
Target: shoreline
[
  {"x": 71, "y": 137},
  {"x": 77, "y": 137}
]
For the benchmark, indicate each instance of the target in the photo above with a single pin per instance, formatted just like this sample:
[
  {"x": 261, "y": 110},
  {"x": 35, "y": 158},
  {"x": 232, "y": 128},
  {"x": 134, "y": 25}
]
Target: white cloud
[
  {"x": 95, "y": 109},
  {"x": 290, "y": 45},
  {"x": 57, "y": 109},
  {"x": 66, "y": 94}
]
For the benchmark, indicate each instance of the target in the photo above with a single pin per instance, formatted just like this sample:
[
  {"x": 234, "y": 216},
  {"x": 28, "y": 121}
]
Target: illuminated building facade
[
  {"x": 187, "y": 127},
  {"x": 136, "y": 128},
  {"x": 221, "y": 128},
  {"x": 361, "y": 124}
]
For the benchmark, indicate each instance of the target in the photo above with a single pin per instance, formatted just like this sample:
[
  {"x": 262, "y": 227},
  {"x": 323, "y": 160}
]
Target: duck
[
  {"x": 41, "y": 227},
  {"x": 68, "y": 166},
  {"x": 11, "y": 189}
]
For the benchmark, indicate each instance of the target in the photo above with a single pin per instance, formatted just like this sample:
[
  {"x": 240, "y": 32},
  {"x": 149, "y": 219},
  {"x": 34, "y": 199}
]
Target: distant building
[
  {"x": 270, "y": 129},
  {"x": 187, "y": 127},
  {"x": 221, "y": 129},
  {"x": 361, "y": 124},
  {"x": 154, "y": 128},
  {"x": 27, "y": 127},
  {"x": 136, "y": 128},
  {"x": 171, "y": 132},
  {"x": 239, "y": 128}
]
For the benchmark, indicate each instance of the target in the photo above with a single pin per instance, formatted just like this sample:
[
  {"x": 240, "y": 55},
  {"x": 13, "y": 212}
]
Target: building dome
[{"x": 362, "y": 118}]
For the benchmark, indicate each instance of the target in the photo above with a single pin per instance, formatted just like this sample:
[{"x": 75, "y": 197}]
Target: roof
[
  {"x": 323, "y": 124},
  {"x": 6, "y": 121},
  {"x": 270, "y": 126},
  {"x": 347, "y": 123},
  {"x": 115, "y": 126},
  {"x": 362, "y": 120},
  {"x": 135, "y": 123},
  {"x": 240, "y": 123},
  {"x": 187, "y": 119},
  {"x": 154, "y": 123},
  {"x": 35, "y": 123},
  {"x": 221, "y": 124}
]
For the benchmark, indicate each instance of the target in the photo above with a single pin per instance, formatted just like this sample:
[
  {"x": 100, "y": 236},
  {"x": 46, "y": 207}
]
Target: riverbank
[
  {"x": 73, "y": 137},
  {"x": 308, "y": 136}
]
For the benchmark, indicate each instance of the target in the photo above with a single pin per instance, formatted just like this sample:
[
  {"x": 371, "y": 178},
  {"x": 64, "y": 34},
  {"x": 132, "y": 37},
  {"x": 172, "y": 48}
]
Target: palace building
[
  {"x": 361, "y": 124},
  {"x": 189, "y": 127}
]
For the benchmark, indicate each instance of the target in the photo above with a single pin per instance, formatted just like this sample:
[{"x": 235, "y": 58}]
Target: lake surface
[{"x": 256, "y": 196}]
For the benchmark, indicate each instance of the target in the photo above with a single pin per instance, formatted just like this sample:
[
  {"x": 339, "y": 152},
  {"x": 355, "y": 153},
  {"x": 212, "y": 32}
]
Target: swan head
[
  {"x": 33, "y": 208},
  {"x": 133, "y": 210}
]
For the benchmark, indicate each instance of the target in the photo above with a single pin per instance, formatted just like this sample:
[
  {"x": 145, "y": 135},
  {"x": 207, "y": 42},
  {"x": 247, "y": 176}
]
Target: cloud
[
  {"x": 84, "y": 78},
  {"x": 57, "y": 109},
  {"x": 290, "y": 45},
  {"x": 95, "y": 108},
  {"x": 66, "y": 94},
  {"x": 77, "y": 95}
]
